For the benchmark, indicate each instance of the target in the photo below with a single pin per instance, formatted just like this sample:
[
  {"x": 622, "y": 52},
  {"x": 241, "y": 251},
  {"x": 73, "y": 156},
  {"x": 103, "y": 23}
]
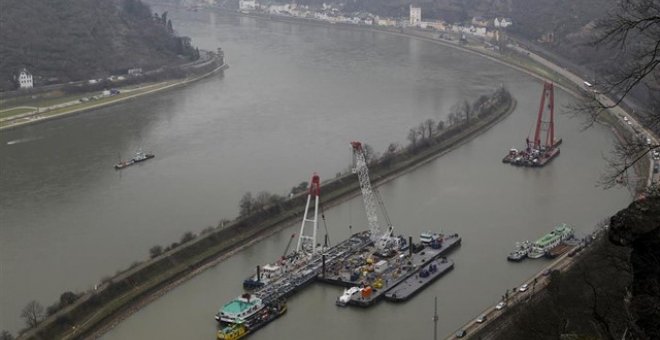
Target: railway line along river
[{"x": 296, "y": 95}]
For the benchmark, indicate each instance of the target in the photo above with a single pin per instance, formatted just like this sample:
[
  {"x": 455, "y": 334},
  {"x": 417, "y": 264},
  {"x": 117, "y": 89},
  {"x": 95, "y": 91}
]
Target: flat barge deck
[
  {"x": 415, "y": 283},
  {"x": 379, "y": 277}
]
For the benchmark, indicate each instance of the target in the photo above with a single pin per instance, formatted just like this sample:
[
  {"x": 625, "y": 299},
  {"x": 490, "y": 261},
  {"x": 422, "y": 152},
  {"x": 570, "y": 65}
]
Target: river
[{"x": 293, "y": 98}]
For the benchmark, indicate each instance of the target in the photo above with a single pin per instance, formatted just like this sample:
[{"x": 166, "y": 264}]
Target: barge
[
  {"x": 537, "y": 152},
  {"x": 139, "y": 157},
  {"x": 414, "y": 284},
  {"x": 377, "y": 275}
]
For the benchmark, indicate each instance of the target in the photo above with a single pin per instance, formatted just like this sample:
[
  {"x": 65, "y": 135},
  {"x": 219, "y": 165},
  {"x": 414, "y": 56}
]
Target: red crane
[
  {"x": 544, "y": 147},
  {"x": 545, "y": 126}
]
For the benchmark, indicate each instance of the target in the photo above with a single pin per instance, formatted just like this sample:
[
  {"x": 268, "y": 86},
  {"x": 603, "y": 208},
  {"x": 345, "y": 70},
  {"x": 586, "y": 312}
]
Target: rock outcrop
[{"x": 638, "y": 227}]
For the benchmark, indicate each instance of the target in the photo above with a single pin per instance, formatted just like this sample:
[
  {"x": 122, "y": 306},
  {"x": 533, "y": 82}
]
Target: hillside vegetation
[{"x": 83, "y": 39}]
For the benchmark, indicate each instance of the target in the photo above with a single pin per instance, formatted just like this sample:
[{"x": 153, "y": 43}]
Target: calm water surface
[{"x": 293, "y": 99}]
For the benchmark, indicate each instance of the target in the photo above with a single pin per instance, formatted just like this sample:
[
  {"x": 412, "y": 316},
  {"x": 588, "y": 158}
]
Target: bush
[
  {"x": 187, "y": 237},
  {"x": 155, "y": 251}
]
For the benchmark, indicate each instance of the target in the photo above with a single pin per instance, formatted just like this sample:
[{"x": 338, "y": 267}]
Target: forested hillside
[{"x": 83, "y": 39}]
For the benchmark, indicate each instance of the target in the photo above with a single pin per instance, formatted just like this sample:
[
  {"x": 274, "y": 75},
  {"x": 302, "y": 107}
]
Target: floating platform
[
  {"x": 533, "y": 158},
  {"x": 296, "y": 280},
  {"x": 415, "y": 283},
  {"x": 386, "y": 274}
]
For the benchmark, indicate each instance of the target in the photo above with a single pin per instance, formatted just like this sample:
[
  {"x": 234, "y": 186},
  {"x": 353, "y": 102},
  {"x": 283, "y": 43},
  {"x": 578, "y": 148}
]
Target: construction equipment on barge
[
  {"x": 537, "y": 152},
  {"x": 379, "y": 268},
  {"x": 390, "y": 260},
  {"x": 307, "y": 246}
]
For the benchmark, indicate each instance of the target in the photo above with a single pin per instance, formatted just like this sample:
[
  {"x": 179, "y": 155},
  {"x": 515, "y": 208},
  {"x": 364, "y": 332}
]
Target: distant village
[{"x": 481, "y": 27}]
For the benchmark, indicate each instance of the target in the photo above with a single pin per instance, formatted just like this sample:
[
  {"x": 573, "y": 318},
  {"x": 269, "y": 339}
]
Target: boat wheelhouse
[
  {"x": 239, "y": 309},
  {"x": 428, "y": 237}
]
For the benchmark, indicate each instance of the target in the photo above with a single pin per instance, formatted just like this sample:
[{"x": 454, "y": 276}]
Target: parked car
[
  {"x": 482, "y": 319},
  {"x": 523, "y": 288},
  {"x": 461, "y": 333},
  {"x": 500, "y": 305}
]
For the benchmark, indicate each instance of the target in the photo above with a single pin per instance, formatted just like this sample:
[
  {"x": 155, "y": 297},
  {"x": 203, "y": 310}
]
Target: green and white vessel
[
  {"x": 239, "y": 309},
  {"x": 559, "y": 234}
]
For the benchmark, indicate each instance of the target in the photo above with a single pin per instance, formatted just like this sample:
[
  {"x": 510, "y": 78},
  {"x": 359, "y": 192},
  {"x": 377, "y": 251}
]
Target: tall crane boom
[
  {"x": 548, "y": 126},
  {"x": 307, "y": 240},
  {"x": 378, "y": 236}
]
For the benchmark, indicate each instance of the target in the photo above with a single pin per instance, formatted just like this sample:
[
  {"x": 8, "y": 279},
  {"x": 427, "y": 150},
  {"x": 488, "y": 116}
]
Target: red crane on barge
[{"x": 538, "y": 152}]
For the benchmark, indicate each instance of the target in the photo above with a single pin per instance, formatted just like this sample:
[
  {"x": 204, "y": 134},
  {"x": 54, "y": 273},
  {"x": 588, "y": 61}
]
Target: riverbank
[
  {"x": 37, "y": 114},
  {"x": 127, "y": 292},
  {"x": 523, "y": 60}
]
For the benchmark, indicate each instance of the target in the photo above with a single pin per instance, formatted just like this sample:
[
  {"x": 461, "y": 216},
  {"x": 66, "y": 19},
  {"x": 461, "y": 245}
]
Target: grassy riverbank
[
  {"x": 50, "y": 108},
  {"x": 97, "y": 311}
]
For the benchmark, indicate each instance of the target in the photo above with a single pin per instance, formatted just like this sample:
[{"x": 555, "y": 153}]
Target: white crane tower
[
  {"x": 306, "y": 242},
  {"x": 383, "y": 239}
]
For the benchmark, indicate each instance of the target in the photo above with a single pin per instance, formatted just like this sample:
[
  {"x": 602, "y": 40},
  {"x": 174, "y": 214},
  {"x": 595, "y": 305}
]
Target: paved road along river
[{"x": 293, "y": 99}]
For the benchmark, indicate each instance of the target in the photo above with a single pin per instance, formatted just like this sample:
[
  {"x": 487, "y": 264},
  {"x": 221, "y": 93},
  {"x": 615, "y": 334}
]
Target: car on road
[
  {"x": 482, "y": 319},
  {"x": 523, "y": 288},
  {"x": 500, "y": 305},
  {"x": 656, "y": 155},
  {"x": 461, "y": 333}
]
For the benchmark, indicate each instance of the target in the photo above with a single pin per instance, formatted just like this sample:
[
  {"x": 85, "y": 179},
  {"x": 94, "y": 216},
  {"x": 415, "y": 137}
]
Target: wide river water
[{"x": 293, "y": 99}]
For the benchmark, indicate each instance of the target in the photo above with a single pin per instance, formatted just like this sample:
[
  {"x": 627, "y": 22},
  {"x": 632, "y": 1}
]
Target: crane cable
[{"x": 327, "y": 235}]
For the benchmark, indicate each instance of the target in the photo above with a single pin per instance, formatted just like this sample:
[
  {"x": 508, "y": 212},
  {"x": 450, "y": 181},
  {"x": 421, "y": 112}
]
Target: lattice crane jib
[
  {"x": 307, "y": 239},
  {"x": 368, "y": 196}
]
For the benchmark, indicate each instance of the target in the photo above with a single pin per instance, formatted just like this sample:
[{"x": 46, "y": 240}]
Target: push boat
[
  {"x": 520, "y": 252},
  {"x": 139, "y": 157}
]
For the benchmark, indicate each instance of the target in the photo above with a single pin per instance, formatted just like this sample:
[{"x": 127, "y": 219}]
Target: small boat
[
  {"x": 520, "y": 252},
  {"x": 139, "y": 157},
  {"x": 270, "y": 273}
]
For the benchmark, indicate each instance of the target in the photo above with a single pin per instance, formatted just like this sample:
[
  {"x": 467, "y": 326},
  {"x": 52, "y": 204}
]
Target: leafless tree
[
  {"x": 5, "y": 335},
  {"x": 33, "y": 313},
  {"x": 632, "y": 32},
  {"x": 441, "y": 126},
  {"x": 421, "y": 130},
  {"x": 430, "y": 126},
  {"x": 412, "y": 137}
]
